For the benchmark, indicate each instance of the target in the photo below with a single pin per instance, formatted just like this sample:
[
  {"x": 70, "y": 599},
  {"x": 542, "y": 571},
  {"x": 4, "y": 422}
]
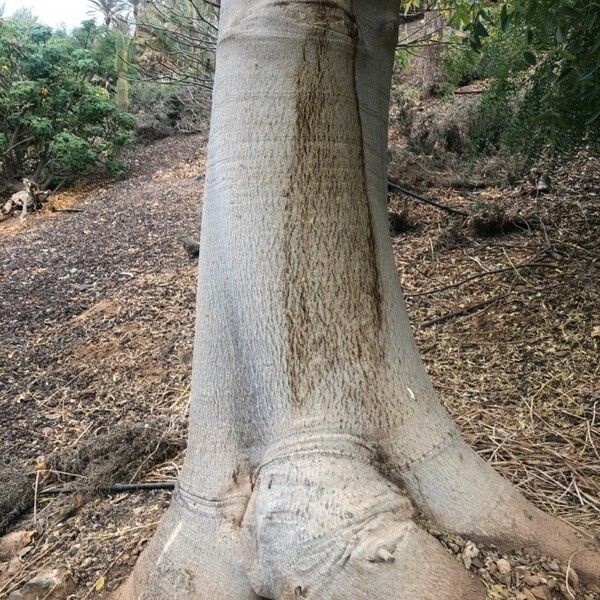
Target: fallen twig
[
  {"x": 451, "y": 286},
  {"x": 114, "y": 488},
  {"x": 463, "y": 311},
  {"x": 394, "y": 187}
]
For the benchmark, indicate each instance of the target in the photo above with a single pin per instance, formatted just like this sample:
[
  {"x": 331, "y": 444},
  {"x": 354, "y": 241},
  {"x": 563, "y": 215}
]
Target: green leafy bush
[
  {"x": 541, "y": 63},
  {"x": 57, "y": 120},
  {"x": 500, "y": 56}
]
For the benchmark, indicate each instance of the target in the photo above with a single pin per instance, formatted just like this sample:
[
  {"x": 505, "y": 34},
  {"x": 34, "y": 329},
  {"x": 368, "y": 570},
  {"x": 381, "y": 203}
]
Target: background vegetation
[
  {"x": 70, "y": 102},
  {"x": 516, "y": 81},
  {"x": 57, "y": 118}
]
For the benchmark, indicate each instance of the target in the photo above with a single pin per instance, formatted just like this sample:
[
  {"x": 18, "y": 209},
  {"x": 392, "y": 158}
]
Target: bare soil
[{"x": 96, "y": 328}]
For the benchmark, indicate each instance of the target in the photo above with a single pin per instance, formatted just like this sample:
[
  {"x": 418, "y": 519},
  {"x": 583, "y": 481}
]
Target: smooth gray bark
[{"x": 315, "y": 430}]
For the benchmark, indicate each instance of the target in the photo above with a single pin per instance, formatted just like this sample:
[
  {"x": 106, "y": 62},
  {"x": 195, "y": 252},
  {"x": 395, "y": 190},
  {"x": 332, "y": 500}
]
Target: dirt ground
[{"x": 96, "y": 327}]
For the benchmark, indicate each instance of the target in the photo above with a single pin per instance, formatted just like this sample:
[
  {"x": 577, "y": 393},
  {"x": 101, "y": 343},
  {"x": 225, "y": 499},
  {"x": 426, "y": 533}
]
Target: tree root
[
  {"x": 463, "y": 494},
  {"x": 332, "y": 527}
]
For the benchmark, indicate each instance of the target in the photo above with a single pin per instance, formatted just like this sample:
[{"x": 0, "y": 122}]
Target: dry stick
[
  {"x": 567, "y": 575},
  {"x": 115, "y": 488},
  {"x": 476, "y": 276},
  {"x": 11, "y": 148},
  {"x": 463, "y": 311},
  {"x": 59, "y": 186},
  {"x": 460, "y": 92},
  {"x": 394, "y": 187},
  {"x": 35, "y": 497}
]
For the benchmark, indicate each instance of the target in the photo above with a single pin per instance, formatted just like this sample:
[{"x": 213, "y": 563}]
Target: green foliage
[
  {"x": 500, "y": 56},
  {"x": 57, "y": 120},
  {"x": 542, "y": 60},
  {"x": 70, "y": 153},
  {"x": 564, "y": 39}
]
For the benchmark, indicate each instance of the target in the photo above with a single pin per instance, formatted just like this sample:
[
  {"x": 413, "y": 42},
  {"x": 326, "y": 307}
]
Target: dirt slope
[{"x": 96, "y": 327}]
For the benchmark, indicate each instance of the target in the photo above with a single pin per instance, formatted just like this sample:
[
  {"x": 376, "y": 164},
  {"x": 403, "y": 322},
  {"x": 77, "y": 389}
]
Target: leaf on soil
[{"x": 99, "y": 583}]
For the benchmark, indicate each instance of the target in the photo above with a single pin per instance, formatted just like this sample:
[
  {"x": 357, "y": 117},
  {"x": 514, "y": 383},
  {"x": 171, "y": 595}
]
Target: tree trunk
[
  {"x": 315, "y": 431},
  {"x": 121, "y": 64},
  {"x": 428, "y": 57}
]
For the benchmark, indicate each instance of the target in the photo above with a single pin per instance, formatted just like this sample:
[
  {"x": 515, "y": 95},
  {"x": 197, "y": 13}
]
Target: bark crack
[{"x": 377, "y": 293}]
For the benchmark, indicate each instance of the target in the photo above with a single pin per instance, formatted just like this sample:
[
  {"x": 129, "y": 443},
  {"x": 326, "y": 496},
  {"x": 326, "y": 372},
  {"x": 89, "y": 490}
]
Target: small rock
[
  {"x": 469, "y": 552},
  {"x": 503, "y": 566},
  {"x": 50, "y": 585},
  {"x": 14, "y": 566},
  {"x": 25, "y": 551},
  {"x": 532, "y": 580},
  {"x": 541, "y": 592},
  {"x": 8, "y": 569},
  {"x": 13, "y": 543}
]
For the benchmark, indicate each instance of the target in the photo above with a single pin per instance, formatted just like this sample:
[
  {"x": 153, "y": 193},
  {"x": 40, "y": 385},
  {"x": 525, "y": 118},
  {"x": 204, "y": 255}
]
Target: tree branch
[
  {"x": 532, "y": 265},
  {"x": 463, "y": 311},
  {"x": 394, "y": 187}
]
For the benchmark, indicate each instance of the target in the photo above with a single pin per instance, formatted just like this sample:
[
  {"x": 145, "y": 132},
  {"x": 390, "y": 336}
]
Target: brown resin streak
[{"x": 330, "y": 280}]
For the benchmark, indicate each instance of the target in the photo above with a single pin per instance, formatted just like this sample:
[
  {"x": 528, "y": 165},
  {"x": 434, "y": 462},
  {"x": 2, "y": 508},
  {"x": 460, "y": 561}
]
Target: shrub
[
  {"x": 57, "y": 120},
  {"x": 542, "y": 66},
  {"x": 161, "y": 110},
  {"x": 501, "y": 54}
]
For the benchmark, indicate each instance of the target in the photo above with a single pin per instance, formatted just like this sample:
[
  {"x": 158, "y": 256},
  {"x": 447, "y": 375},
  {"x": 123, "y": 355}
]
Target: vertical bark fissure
[
  {"x": 308, "y": 108},
  {"x": 374, "y": 251}
]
